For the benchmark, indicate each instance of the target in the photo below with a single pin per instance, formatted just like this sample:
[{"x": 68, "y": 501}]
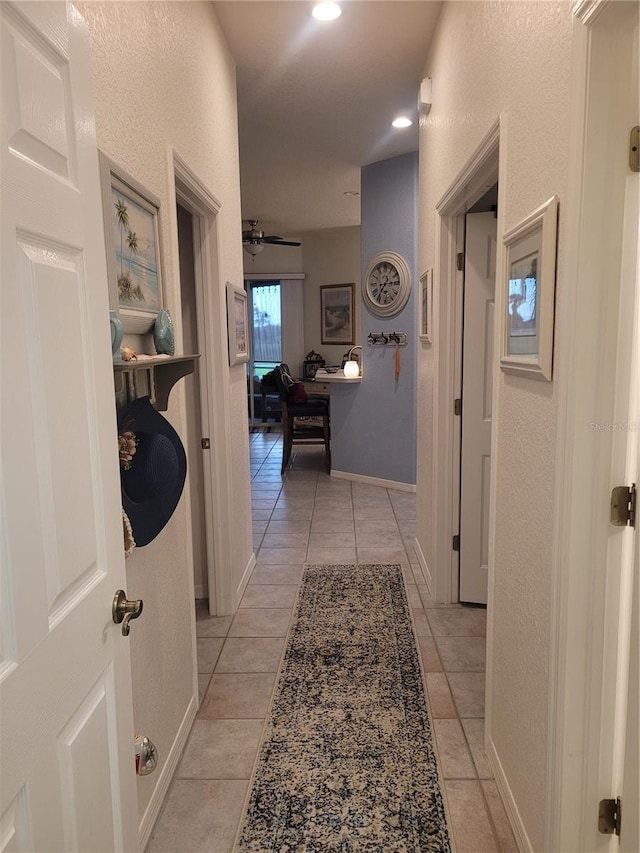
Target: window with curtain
[{"x": 266, "y": 326}]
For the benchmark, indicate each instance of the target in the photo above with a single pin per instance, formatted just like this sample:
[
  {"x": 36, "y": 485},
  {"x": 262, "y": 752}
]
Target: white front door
[
  {"x": 477, "y": 388},
  {"x": 68, "y": 773}
]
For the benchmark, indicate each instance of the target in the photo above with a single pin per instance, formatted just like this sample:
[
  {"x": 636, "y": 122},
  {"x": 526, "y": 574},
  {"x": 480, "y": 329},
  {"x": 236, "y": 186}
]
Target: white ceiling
[{"x": 316, "y": 101}]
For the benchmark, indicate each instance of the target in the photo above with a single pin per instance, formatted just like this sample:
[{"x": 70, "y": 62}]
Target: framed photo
[
  {"x": 132, "y": 238},
  {"x": 336, "y": 314},
  {"x": 237, "y": 325},
  {"x": 528, "y": 281},
  {"x": 425, "y": 304}
]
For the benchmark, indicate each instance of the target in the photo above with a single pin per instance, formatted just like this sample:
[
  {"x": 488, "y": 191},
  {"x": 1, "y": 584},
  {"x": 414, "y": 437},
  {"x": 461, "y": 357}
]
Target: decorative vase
[
  {"x": 116, "y": 336},
  {"x": 163, "y": 337}
]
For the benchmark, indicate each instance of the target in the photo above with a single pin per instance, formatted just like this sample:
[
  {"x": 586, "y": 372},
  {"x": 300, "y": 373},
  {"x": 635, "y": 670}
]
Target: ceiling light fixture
[
  {"x": 326, "y": 11},
  {"x": 351, "y": 192},
  {"x": 253, "y": 248},
  {"x": 402, "y": 121}
]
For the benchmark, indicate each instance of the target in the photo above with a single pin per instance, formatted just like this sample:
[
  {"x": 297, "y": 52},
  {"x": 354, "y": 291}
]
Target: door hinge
[
  {"x": 456, "y": 542},
  {"x": 634, "y": 149},
  {"x": 460, "y": 261},
  {"x": 623, "y": 506},
  {"x": 457, "y": 406},
  {"x": 205, "y": 443},
  {"x": 609, "y": 816}
]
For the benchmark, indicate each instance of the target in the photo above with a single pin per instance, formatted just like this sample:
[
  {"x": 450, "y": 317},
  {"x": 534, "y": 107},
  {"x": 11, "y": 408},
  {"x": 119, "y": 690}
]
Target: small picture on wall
[
  {"x": 237, "y": 325},
  {"x": 336, "y": 313},
  {"x": 529, "y": 280},
  {"x": 424, "y": 306},
  {"x": 133, "y": 248}
]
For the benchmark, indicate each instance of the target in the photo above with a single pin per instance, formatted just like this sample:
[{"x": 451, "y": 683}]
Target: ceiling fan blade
[{"x": 276, "y": 241}]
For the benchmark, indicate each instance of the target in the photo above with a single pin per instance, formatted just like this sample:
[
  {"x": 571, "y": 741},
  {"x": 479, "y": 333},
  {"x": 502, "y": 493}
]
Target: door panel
[
  {"x": 477, "y": 391},
  {"x": 68, "y": 771}
]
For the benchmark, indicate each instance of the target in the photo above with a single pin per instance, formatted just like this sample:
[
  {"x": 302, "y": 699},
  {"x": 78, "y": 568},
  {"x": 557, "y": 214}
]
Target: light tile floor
[{"x": 309, "y": 517}]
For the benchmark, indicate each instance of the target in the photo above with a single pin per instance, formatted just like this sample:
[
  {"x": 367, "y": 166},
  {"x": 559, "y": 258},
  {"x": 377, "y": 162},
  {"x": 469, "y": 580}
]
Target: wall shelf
[{"x": 151, "y": 375}]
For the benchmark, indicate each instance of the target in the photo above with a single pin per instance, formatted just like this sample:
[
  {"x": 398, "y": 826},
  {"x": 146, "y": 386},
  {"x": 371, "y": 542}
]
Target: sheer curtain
[{"x": 267, "y": 322}]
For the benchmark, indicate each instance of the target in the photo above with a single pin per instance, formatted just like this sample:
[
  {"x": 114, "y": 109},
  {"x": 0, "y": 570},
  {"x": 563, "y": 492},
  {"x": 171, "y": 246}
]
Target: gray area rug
[{"x": 348, "y": 762}]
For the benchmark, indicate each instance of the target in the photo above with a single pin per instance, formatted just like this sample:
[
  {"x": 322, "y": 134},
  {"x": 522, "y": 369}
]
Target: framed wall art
[
  {"x": 132, "y": 238},
  {"x": 337, "y": 314},
  {"x": 528, "y": 282},
  {"x": 425, "y": 304},
  {"x": 237, "y": 325}
]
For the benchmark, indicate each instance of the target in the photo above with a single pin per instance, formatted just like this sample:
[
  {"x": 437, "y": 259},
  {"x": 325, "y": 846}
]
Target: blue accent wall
[{"x": 374, "y": 423}]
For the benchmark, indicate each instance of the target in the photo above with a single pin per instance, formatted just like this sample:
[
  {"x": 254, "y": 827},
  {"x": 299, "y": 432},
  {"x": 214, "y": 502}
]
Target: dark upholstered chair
[
  {"x": 298, "y": 431},
  {"x": 270, "y": 407}
]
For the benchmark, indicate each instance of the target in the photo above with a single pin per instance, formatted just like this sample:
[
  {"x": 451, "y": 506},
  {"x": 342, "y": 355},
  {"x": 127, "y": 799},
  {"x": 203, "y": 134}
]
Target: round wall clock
[{"x": 386, "y": 285}]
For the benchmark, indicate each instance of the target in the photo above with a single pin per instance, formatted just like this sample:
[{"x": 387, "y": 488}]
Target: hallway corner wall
[
  {"x": 144, "y": 58},
  {"x": 509, "y": 61},
  {"x": 377, "y": 418}
]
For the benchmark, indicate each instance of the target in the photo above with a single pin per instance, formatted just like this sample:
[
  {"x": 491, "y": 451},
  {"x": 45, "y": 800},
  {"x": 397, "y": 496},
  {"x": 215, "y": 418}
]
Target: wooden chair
[{"x": 297, "y": 430}]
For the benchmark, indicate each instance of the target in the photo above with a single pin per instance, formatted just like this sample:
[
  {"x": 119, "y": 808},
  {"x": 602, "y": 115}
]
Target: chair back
[{"x": 280, "y": 372}]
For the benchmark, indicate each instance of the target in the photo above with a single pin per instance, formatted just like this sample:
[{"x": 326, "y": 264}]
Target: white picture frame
[
  {"x": 528, "y": 282},
  {"x": 237, "y": 324},
  {"x": 425, "y": 307},
  {"x": 132, "y": 240}
]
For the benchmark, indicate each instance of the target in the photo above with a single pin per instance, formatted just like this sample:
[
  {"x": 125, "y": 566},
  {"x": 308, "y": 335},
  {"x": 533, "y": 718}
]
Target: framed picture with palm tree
[{"x": 132, "y": 237}]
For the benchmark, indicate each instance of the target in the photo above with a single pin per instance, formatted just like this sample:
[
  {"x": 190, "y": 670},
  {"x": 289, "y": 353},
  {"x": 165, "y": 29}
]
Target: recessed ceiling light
[
  {"x": 326, "y": 11},
  {"x": 402, "y": 121},
  {"x": 351, "y": 192}
]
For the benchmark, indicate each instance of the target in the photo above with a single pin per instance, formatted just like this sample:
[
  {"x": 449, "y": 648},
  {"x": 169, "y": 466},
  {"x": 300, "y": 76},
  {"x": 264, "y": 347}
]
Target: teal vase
[
  {"x": 116, "y": 336},
  {"x": 163, "y": 337}
]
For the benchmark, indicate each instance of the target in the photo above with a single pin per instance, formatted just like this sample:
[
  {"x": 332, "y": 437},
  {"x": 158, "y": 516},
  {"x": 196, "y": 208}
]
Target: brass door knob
[{"x": 124, "y": 610}]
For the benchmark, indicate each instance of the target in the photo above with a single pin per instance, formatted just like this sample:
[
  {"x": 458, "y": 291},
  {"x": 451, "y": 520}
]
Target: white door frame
[
  {"x": 478, "y": 175},
  {"x": 580, "y": 670},
  {"x": 213, "y": 370}
]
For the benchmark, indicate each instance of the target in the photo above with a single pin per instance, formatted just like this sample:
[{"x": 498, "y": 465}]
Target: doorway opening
[
  {"x": 477, "y": 181},
  {"x": 209, "y": 436},
  {"x": 193, "y": 403},
  {"x": 265, "y": 319},
  {"x": 477, "y": 336}
]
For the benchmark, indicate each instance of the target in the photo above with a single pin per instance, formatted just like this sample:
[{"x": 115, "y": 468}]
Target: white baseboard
[
  {"x": 517, "y": 826},
  {"x": 426, "y": 572},
  {"x": 244, "y": 580},
  {"x": 166, "y": 774},
  {"x": 374, "y": 481}
]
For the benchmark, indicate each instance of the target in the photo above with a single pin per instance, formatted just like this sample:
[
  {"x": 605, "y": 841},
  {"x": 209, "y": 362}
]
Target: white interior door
[
  {"x": 477, "y": 387},
  {"x": 619, "y": 766},
  {"x": 68, "y": 774}
]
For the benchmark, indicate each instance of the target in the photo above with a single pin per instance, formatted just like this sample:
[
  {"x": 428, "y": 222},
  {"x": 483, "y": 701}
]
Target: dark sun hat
[{"x": 153, "y": 477}]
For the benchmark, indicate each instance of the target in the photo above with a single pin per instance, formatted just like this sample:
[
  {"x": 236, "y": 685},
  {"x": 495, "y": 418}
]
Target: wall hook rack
[{"x": 376, "y": 339}]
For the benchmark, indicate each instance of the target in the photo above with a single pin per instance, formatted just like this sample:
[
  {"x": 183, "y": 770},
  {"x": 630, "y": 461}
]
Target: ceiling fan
[{"x": 254, "y": 240}]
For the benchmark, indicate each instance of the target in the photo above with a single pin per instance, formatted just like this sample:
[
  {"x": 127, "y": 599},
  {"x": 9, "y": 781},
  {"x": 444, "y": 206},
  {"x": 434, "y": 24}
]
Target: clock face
[{"x": 386, "y": 285}]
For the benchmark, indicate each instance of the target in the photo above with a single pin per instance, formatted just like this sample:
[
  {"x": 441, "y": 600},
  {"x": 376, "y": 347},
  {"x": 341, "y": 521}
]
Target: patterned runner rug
[{"x": 348, "y": 762}]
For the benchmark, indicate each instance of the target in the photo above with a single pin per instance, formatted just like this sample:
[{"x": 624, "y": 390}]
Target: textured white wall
[
  {"x": 510, "y": 59},
  {"x": 162, "y": 76},
  {"x": 330, "y": 257}
]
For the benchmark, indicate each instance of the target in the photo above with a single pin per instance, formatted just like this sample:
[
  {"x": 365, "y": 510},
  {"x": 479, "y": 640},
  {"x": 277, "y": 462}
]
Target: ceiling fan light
[
  {"x": 326, "y": 11},
  {"x": 253, "y": 248}
]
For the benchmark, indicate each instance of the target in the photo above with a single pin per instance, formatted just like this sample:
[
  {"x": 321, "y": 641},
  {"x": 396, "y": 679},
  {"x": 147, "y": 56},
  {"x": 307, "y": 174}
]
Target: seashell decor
[{"x": 128, "y": 354}]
